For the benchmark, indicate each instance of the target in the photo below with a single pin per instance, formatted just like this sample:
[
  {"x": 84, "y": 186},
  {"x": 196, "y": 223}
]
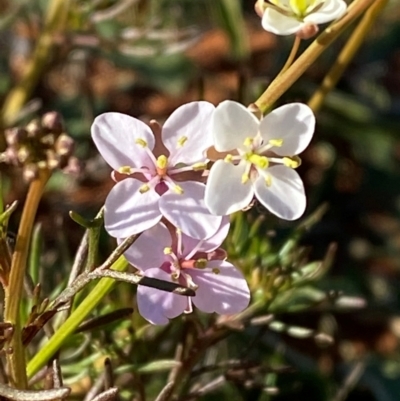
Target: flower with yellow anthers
[
  {"x": 260, "y": 158},
  {"x": 169, "y": 255},
  {"x": 158, "y": 171},
  {"x": 286, "y": 17}
]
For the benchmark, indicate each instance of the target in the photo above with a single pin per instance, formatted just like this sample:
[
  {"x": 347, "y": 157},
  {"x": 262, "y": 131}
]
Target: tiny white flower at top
[
  {"x": 261, "y": 158},
  {"x": 287, "y": 17}
]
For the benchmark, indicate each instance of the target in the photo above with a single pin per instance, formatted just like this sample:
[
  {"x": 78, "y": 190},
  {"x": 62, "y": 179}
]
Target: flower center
[
  {"x": 258, "y": 156},
  {"x": 297, "y": 8}
]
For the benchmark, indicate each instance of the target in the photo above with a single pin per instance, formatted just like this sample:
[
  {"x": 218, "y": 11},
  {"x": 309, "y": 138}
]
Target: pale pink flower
[
  {"x": 287, "y": 17},
  {"x": 172, "y": 256},
  {"x": 159, "y": 173},
  {"x": 260, "y": 159}
]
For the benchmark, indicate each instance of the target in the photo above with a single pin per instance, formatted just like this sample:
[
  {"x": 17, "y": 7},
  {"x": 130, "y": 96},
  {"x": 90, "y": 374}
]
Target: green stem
[
  {"x": 102, "y": 288},
  {"x": 347, "y": 54},
  {"x": 13, "y": 294},
  {"x": 17, "y": 97},
  {"x": 284, "y": 81}
]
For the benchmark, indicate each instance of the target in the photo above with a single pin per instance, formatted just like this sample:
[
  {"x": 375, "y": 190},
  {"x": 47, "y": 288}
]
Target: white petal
[
  {"x": 114, "y": 134},
  {"x": 225, "y": 193},
  {"x": 232, "y": 123},
  {"x": 285, "y": 197},
  {"x": 294, "y": 123},
  {"x": 279, "y": 24},
  {"x": 189, "y": 212},
  {"x": 209, "y": 244},
  {"x": 129, "y": 212},
  {"x": 148, "y": 250},
  {"x": 329, "y": 11},
  {"x": 159, "y": 306},
  {"x": 225, "y": 293},
  {"x": 193, "y": 122}
]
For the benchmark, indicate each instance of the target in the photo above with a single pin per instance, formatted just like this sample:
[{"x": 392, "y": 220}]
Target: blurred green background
[{"x": 147, "y": 57}]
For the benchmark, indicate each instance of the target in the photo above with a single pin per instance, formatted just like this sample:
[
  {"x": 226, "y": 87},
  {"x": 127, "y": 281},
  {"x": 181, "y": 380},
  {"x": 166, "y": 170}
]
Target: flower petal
[
  {"x": 188, "y": 211},
  {"x": 159, "y": 306},
  {"x": 225, "y": 293},
  {"x": 114, "y": 135},
  {"x": 232, "y": 123},
  {"x": 279, "y": 24},
  {"x": 187, "y": 133},
  {"x": 128, "y": 212},
  {"x": 148, "y": 250},
  {"x": 209, "y": 244},
  {"x": 294, "y": 123},
  {"x": 285, "y": 197},
  {"x": 225, "y": 193},
  {"x": 329, "y": 11}
]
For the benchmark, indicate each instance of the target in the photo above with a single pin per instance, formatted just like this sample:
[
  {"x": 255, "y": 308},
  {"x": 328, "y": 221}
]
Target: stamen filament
[{"x": 194, "y": 250}]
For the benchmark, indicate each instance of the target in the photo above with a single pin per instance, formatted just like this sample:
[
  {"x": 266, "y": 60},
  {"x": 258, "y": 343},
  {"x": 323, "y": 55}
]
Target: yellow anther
[
  {"x": 228, "y": 158},
  {"x": 182, "y": 140},
  {"x": 125, "y": 170},
  {"x": 215, "y": 270},
  {"x": 167, "y": 250},
  {"x": 201, "y": 263},
  {"x": 199, "y": 166},
  {"x": 162, "y": 162},
  {"x": 292, "y": 162},
  {"x": 141, "y": 142},
  {"x": 276, "y": 142},
  {"x": 248, "y": 141},
  {"x": 178, "y": 189},
  {"x": 245, "y": 178},
  {"x": 268, "y": 180},
  {"x": 259, "y": 161},
  {"x": 144, "y": 188},
  {"x": 175, "y": 276}
]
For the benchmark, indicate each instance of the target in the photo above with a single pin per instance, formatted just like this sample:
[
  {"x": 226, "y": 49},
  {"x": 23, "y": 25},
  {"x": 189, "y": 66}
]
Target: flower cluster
[{"x": 165, "y": 190}]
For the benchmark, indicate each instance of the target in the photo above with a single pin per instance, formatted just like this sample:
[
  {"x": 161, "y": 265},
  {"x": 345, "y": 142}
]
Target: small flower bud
[
  {"x": 30, "y": 172},
  {"x": 34, "y": 129},
  {"x": 53, "y": 122},
  {"x": 64, "y": 145},
  {"x": 73, "y": 167},
  {"x": 15, "y": 136},
  {"x": 48, "y": 140},
  {"x": 308, "y": 31},
  {"x": 52, "y": 159},
  {"x": 23, "y": 154}
]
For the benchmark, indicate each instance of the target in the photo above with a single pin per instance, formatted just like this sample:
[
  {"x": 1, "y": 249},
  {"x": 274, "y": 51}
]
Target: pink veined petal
[
  {"x": 279, "y": 24},
  {"x": 187, "y": 133},
  {"x": 188, "y": 211},
  {"x": 329, "y": 11},
  {"x": 225, "y": 293},
  {"x": 285, "y": 197},
  {"x": 209, "y": 244},
  {"x": 294, "y": 123},
  {"x": 232, "y": 123},
  {"x": 225, "y": 193},
  {"x": 159, "y": 306},
  {"x": 114, "y": 135},
  {"x": 148, "y": 250},
  {"x": 128, "y": 212}
]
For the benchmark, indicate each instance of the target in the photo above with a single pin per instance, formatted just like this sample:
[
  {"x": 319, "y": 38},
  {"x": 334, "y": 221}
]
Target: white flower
[
  {"x": 261, "y": 159},
  {"x": 286, "y": 17}
]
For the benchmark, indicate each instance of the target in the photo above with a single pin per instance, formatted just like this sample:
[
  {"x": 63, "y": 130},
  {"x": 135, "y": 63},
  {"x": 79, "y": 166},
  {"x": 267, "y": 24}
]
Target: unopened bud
[
  {"x": 52, "y": 161},
  {"x": 15, "y": 136},
  {"x": 64, "y": 145},
  {"x": 73, "y": 167},
  {"x": 23, "y": 154},
  {"x": 53, "y": 122},
  {"x": 30, "y": 172},
  {"x": 34, "y": 129},
  {"x": 48, "y": 140},
  {"x": 308, "y": 31}
]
